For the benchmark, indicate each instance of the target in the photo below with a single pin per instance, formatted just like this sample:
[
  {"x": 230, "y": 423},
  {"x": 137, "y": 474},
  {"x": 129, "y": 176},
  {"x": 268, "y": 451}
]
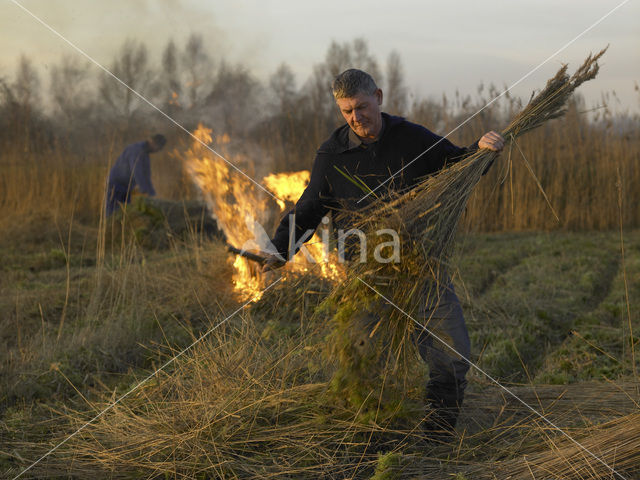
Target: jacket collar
[
  {"x": 340, "y": 141},
  {"x": 355, "y": 141}
]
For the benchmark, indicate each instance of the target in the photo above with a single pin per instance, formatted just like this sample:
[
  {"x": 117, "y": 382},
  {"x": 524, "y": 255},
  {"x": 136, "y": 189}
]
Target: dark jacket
[{"x": 329, "y": 188}]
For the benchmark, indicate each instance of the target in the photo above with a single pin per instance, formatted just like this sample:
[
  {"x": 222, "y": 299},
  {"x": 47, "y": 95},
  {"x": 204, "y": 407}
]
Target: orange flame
[
  {"x": 240, "y": 208},
  {"x": 287, "y": 186}
]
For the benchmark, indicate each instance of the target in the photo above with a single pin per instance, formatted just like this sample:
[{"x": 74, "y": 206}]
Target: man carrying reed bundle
[{"x": 376, "y": 150}]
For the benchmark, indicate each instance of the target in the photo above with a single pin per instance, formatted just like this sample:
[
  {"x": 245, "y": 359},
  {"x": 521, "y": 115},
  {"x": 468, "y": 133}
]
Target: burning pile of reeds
[{"x": 425, "y": 218}]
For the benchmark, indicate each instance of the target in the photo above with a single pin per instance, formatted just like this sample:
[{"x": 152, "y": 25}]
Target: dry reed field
[
  {"x": 102, "y": 359},
  {"x": 254, "y": 400}
]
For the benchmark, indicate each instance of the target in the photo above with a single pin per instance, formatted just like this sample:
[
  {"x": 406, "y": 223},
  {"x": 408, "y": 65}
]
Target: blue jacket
[{"x": 133, "y": 169}]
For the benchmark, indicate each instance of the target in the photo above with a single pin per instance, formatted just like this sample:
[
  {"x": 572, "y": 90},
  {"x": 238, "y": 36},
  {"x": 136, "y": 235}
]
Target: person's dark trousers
[
  {"x": 441, "y": 314},
  {"x": 117, "y": 195}
]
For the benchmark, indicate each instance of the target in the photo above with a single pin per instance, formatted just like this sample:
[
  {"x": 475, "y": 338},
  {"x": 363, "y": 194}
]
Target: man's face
[{"x": 362, "y": 113}]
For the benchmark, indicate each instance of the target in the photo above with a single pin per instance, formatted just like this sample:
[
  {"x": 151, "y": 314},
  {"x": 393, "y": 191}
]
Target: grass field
[{"x": 551, "y": 316}]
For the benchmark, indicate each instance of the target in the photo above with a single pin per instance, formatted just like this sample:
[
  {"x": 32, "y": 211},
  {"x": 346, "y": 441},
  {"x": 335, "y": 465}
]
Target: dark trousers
[
  {"x": 117, "y": 195},
  {"x": 441, "y": 314}
]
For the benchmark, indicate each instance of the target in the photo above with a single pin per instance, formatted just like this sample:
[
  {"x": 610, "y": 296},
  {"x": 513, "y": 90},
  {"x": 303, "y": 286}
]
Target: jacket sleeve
[
  {"x": 306, "y": 214},
  {"x": 468, "y": 151},
  {"x": 440, "y": 152},
  {"x": 446, "y": 153},
  {"x": 142, "y": 173}
]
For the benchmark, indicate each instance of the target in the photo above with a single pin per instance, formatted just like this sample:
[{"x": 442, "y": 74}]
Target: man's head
[
  {"x": 359, "y": 99},
  {"x": 156, "y": 143}
]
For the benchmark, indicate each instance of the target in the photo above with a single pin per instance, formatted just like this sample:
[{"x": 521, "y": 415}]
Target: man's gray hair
[{"x": 352, "y": 82}]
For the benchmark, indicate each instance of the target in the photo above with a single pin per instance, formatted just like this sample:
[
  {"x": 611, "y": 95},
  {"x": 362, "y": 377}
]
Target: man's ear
[{"x": 378, "y": 94}]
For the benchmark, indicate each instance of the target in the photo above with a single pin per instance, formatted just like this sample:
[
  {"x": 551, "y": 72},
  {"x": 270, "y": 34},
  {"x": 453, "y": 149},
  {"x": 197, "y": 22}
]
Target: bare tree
[
  {"x": 70, "y": 89},
  {"x": 283, "y": 85},
  {"x": 319, "y": 89},
  {"x": 131, "y": 65},
  {"x": 22, "y": 123},
  {"x": 429, "y": 112},
  {"x": 197, "y": 68},
  {"x": 26, "y": 87},
  {"x": 26, "y": 96},
  {"x": 170, "y": 86},
  {"x": 395, "y": 97},
  {"x": 339, "y": 57},
  {"x": 362, "y": 59},
  {"x": 235, "y": 99}
]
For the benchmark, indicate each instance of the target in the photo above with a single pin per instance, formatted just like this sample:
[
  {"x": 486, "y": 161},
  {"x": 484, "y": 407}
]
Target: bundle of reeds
[
  {"x": 426, "y": 218},
  {"x": 427, "y": 215}
]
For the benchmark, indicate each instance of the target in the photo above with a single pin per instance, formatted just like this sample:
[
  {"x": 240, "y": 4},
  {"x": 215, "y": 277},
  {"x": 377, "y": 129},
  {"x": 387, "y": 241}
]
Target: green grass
[
  {"x": 524, "y": 293},
  {"x": 600, "y": 344}
]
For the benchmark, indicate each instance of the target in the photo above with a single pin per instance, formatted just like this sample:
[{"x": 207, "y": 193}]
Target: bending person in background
[{"x": 132, "y": 170}]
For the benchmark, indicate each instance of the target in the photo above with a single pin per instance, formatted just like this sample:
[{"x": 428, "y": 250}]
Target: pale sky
[{"x": 444, "y": 45}]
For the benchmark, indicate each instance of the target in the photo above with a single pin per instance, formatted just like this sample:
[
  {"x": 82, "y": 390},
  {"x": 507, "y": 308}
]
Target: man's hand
[
  {"x": 272, "y": 262},
  {"x": 492, "y": 140}
]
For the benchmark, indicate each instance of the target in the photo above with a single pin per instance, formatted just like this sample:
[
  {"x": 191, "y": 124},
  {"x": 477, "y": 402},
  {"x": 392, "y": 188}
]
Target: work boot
[
  {"x": 439, "y": 425},
  {"x": 441, "y": 417}
]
